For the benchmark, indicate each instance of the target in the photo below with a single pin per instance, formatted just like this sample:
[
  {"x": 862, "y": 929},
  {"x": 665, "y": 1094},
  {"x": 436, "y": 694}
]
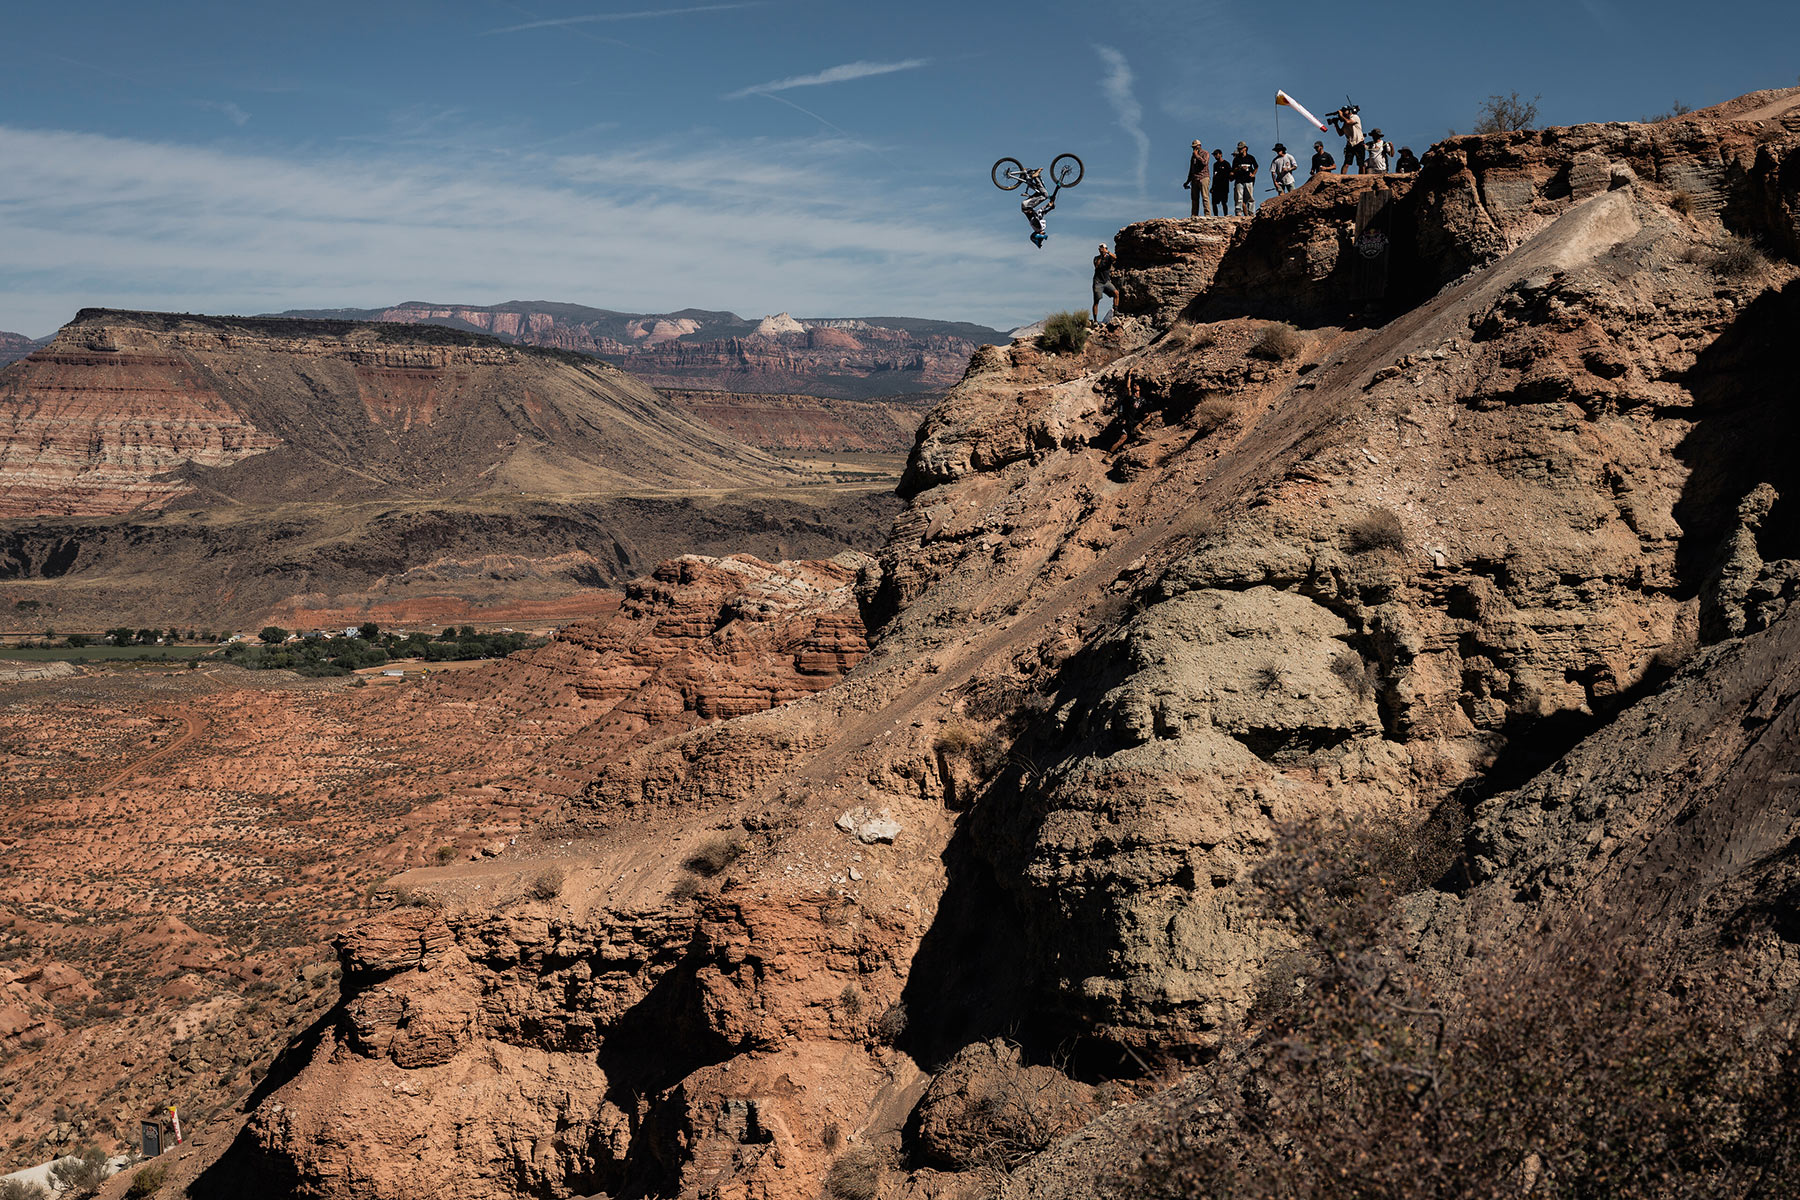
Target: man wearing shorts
[{"x": 1103, "y": 284}]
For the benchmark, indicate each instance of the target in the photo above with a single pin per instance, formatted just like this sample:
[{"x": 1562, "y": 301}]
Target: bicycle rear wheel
[
  {"x": 1008, "y": 174},
  {"x": 1066, "y": 170}
]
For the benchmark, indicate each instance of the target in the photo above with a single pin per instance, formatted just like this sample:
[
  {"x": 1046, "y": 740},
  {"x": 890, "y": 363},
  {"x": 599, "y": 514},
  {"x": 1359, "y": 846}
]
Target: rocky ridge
[
  {"x": 1145, "y": 606},
  {"x": 837, "y": 357}
]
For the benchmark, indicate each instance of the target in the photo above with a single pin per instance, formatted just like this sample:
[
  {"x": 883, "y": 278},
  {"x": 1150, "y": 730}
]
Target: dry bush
[
  {"x": 1064, "y": 333},
  {"x": 983, "y": 750},
  {"x": 1682, "y": 201},
  {"x": 1267, "y": 676},
  {"x": 1378, "y": 529},
  {"x": 18, "y": 1189},
  {"x": 444, "y": 854},
  {"x": 1357, "y": 675},
  {"x": 1739, "y": 256},
  {"x": 1502, "y": 114},
  {"x": 1210, "y": 414},
  {"x": 831, "y": 1137},
  {"x": 1279, "y": 342},
  {"x": 714, "y": 855},
  {"x": 1587, "y": 1069},
  {"x": 856, "y": 1175},
  {"x": 81, "y": 1174},
  {"x": 686, "y": 888},
  {"x": 412, "y": 897},
  {"x": 890, "y": 1026},
  {"x": 850, "y": 1000},
  {"x": 547, "y": 884}
]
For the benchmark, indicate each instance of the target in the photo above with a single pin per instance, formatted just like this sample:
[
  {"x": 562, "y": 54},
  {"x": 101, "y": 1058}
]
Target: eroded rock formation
[{"x": 1144, "y": 606}]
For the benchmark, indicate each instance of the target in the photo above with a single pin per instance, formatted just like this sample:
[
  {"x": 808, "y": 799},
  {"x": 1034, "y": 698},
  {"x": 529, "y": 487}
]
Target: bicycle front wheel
[
  {"x": 1066, "y": 170},
  {"x": 1008, "y": 174}
]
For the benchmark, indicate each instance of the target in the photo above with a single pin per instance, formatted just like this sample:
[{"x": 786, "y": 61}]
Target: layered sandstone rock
[
  {"x": 130, "y": 411},
  {"x": 14, "y": 346},
  {"x": 1146, "y": 606}
]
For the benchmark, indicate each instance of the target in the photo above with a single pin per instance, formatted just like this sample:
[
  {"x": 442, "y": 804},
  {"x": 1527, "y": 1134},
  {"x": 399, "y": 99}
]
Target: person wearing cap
[
  {"x": 1103, "y": 283},
  {"x": 1376, "y": 152},
  {"x": 1322, "y": 162},
  {"x": 1243, "y": 181},
  {"x": 1408, "y": 162},
  {"x": 1199, "y": 171},
  {"x": 1346, "y": 121},
  {"x": 1282, "y": 169},
  {"x": 1221, "y": 185}
]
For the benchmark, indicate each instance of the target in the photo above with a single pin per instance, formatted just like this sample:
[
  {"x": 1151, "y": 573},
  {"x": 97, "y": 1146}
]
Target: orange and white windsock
[{"x": 1282, "y": 98}]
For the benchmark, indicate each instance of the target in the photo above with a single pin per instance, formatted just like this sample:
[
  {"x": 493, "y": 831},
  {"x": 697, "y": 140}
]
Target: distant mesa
[
  {"x": 845, "y": 358},
  {"x": 14, "y": 346}
]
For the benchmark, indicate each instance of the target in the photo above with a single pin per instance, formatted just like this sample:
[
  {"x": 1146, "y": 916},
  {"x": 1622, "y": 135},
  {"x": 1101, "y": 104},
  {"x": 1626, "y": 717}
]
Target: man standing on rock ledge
[
  {"x": 1243, "y": 180},
  {"x": 1221, "y": 185},
  {"x": 1103, "y": 282},
  {"x": 1282, "y": 170},
  {"x": 1198, "y": 172}
]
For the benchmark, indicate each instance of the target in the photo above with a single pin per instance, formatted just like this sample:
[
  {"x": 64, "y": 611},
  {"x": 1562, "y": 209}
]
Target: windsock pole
[{"x": 1283, "y": 99}]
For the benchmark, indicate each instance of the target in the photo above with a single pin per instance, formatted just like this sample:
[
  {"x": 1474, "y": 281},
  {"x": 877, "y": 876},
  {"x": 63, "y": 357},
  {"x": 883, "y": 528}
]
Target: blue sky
[{"x": 815, "y": 156}]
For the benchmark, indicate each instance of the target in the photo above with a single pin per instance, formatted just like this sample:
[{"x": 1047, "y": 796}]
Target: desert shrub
[
  {"x": 80, "y": 1174},
  {"x": 686, "y": 888},
  {"x": 831, "y": 1137},
  {"x": 1210, "y": 414},
  {"x": 1278, "y": 342},
  {"x": 1501, "y": 114},
  {"x": 714, "y": 855},
  {"x": 547, "y": 884},
  {"x": 1349, "y": 666},
  {"x": 855, "y": 1175},
  {"x": 412, "y": 897},
  {"x": 1737, "y": 257},
  {"x": 1064, "y": 332},
  {"x": 148, "y": 1181},
  {"x": 850, "y": 1000},
  {"x": 1379, "y": 529},
  {"x": 890, "y": 1026},
  {"x": 983, "y": 750},
  {"x": 444, "y": 854},
  {"x": 1586, "y": 1070},
  {"x": 1267, "y": 676},
  {"x": 1682, "y": 201},
  {"x": 18, "y": 1189}
]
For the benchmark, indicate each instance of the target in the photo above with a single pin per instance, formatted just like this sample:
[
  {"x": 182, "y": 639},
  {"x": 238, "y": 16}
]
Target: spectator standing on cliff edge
[
  {"x": 1243, "y": 181},
  {"x": 1346, "y": 121},
  {"x": 1199, "y": 171},
  {"x": 1322, "y": 162},
  {"x": 1103, "y": 282},
  {"x": 1282, "y": 170},
  {"x": 1221, "y": 185},
  {"x": 1377, "y": 151},
  {"x": 1408, "y": 162}
]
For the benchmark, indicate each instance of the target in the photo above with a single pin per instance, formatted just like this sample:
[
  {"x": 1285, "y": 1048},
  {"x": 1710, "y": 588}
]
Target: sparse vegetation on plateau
[
  {"x": 148, "y": 1181},
  {"x": 1210, "y": 414},
  {"x": 1064, "y": 332},
  {"x": 81, "y": 1174},
  {"x": 547, "y": 884}
]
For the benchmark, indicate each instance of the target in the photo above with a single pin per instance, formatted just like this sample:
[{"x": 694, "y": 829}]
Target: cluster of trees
[
  {"x": 370, "y": 648},
  {"x": 123, "y": 636}
]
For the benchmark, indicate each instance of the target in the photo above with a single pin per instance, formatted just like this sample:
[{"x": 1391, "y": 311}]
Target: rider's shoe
[{"x": 1038, "y": 239}]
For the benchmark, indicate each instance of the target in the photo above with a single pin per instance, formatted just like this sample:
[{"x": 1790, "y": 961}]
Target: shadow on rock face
[
  {"x": 1746, "y": 426},
  {"x": 245, "y": 1169}
]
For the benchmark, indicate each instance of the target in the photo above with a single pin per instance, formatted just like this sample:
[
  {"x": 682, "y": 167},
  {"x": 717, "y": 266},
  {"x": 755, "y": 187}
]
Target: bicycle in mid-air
[{"x": 1009, "y": 174}]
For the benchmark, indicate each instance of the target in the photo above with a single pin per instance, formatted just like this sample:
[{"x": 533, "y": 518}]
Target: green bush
[
  {"x": 18, "y": 1189},
  {"x": 1064, "y": 332},
  {"x": 81, "y": 1174},
  {"x": 273, "y": 635}
]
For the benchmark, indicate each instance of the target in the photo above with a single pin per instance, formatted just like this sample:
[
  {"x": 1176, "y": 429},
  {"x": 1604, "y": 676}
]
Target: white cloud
[
  {"x": 639, "y": 15},
  {"x": 232, "y": 112},
  {"x": 757, "y": 226},
  {"x": 1116, "y": 85},
  {"x": 838, "y": 74}
]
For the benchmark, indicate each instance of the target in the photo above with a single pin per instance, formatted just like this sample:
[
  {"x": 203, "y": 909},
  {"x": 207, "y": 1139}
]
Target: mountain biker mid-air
[{"x": 1010, "y": 173}]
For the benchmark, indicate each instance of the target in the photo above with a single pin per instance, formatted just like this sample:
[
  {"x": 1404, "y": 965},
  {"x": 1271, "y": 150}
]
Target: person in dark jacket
[
  {"x": 1243, "y": 181},
  {"x": 1221, "y": 185},
  {"x": 1408, "y": 161},
  {"x": 1199, "y": 172},
  {"x": 1322, "y": 162}
]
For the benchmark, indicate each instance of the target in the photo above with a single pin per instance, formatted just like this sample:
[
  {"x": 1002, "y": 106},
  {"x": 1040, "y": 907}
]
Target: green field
[{"x": 103, "y": 653}]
